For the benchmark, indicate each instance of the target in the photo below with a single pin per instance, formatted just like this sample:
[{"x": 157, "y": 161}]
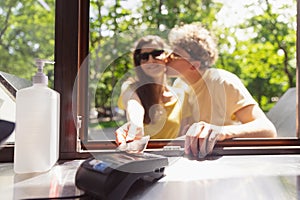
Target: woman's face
[{"x": 153, "y": 61}]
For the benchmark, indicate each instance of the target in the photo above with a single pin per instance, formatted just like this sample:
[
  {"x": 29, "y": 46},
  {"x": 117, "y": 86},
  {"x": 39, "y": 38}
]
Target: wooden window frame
[{"x": 71, "y": 48}]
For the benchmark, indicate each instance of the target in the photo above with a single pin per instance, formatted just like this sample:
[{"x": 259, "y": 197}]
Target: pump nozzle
[{"x": 40, "y": 77}]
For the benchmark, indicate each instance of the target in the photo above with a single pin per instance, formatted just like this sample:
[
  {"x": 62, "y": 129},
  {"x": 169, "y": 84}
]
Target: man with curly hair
[{"x": 223, "y": 107}]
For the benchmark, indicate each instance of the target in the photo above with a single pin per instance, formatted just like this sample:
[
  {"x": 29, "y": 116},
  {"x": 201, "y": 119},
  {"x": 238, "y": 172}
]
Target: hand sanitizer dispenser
[{"x": 37, "y": 125}]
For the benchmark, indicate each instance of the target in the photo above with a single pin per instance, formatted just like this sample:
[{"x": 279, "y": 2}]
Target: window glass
[{"x": 257, "y": 42}]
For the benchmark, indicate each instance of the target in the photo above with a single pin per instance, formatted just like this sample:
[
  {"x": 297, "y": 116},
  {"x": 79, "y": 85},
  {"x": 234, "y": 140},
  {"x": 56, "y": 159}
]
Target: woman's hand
[{"x": 129, "y": 137}]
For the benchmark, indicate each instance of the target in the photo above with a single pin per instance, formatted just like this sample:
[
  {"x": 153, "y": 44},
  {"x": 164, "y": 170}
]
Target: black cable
[{"x": 53, "y": 198}]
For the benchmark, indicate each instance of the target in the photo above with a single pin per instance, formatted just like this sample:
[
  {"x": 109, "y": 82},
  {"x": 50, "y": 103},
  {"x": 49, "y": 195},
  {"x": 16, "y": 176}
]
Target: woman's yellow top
[{"x": 167, "y": 121}]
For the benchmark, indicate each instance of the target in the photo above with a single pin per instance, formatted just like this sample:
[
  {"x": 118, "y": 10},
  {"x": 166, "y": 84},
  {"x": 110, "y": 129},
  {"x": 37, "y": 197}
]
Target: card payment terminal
[{"x": 110, "y": 175}]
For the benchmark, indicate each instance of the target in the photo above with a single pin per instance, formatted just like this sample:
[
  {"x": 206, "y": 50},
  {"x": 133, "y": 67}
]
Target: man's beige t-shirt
[{"x": 218, "y": 95}]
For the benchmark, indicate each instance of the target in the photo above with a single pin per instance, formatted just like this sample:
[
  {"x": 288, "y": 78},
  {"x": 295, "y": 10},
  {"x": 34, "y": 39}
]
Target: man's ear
[{"x": 196, "y": 64}]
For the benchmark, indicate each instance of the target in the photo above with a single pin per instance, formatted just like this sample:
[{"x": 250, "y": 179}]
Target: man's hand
[{"x": 201, "y": 138}]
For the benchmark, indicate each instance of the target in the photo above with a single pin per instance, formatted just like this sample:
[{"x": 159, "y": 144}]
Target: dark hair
[
  {"x": 149, "y": 39},
  {"x": 148, "y": 91}
]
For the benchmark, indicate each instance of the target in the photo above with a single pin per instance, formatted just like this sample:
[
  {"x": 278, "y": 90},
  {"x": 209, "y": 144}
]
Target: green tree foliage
[
  {"x": 269, "y": 66},
  {"x": 265, "y": 60},
  {"x": 165, "y": 14},
  {"x": 26, "y": 33},
  {"x": 117, "y": 30}
]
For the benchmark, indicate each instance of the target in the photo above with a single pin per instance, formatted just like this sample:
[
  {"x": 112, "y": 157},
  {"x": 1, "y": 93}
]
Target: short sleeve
[{"x": 237, "y": 96}]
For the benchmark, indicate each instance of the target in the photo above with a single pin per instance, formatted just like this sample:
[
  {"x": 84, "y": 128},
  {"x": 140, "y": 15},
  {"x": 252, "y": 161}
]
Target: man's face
[{"x": 178, "y": 62}]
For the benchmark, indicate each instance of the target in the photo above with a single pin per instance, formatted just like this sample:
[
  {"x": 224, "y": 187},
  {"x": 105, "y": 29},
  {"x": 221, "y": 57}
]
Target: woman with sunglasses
[{"x": 153, "y": 107}]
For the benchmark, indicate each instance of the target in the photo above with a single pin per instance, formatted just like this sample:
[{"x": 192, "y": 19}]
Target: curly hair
[{"x": 197, "y": 41}]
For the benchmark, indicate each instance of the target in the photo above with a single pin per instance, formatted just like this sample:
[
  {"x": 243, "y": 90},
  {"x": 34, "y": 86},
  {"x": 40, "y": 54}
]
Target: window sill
[{"x": 236, "y": 146}]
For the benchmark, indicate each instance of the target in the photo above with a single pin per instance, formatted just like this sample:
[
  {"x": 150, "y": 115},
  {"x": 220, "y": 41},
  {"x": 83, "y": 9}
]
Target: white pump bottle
[{"x": 37, "y": 125}]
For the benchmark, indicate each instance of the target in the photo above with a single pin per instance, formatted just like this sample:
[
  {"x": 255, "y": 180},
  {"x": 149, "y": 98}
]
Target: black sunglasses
[{"x": 154, "y": 54}]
